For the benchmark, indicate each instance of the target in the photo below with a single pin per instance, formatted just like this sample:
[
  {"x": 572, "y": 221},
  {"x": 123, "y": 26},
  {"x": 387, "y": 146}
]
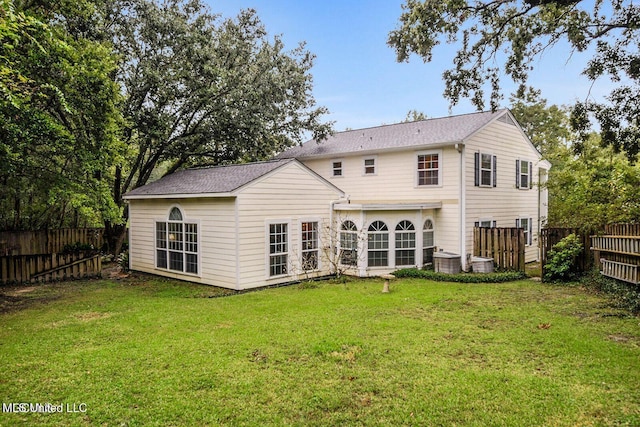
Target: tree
[
  {"x": 203, "y": 92},
  {"x": 414, "y": 116},
  {"x": 591, "y": 188},
  {"x": 58, "y": 120},
  {"x": 504, "y": 37}
]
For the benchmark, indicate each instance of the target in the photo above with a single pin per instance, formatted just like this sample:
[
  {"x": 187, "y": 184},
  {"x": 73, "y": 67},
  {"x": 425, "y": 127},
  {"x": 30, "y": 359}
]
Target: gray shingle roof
[
  {"x": 219, "y": 179},
  {"x": 422, "y": 133}
]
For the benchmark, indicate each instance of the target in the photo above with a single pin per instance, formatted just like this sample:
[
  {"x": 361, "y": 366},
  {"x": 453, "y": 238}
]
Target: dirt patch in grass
[{"x": 14, "y": 298}]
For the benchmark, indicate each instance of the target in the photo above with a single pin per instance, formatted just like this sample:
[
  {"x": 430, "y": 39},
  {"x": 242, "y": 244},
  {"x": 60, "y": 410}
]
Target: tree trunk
[{"x": 114, "y": 237}]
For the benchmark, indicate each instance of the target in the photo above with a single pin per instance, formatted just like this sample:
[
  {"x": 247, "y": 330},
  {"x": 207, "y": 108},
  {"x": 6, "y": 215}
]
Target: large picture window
[
  {"x": 405, "y": 243},
  {"x": 378, "y": 244},
  {"x": 177, "y": 244}
]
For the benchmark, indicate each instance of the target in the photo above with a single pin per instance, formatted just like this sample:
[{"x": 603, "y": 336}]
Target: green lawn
[{"x": 143, "y": 351}]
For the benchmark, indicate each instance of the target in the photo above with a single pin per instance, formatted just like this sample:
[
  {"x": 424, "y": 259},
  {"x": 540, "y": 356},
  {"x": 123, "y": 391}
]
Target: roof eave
[{"x": 179, "y": 196}]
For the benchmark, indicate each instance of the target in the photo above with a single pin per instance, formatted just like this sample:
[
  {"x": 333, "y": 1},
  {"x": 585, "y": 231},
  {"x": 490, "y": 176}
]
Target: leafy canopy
[{"x": 499, "y": 38}]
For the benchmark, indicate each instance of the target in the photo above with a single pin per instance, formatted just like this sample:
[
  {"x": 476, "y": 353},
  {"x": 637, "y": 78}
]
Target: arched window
[
  {"x": 348, "y": 243},
  {"x": 428, "y": 242},
  {"x": 378, "y": 244},
  {"x": 405, "y": 243},
  {"x": 177, "y": 244}
]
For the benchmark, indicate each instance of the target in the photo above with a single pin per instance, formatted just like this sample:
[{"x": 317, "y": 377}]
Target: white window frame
[
  {"x": 486, "y": 223},
  {"x": 305, "y": 249},
  {"x": 269, "y": 246},
  {"x": 370, "y": 169},
  {"x": 378, "y": 244},
  {"x": 529, "y": 174},
  {"x": 528, "y": 231},
  {"x": 187, "y": 250},
  {"x": 334, "y": 169},
  {"x": 353, "y": 240},
  {"x": 398, "y": 232},
  {"x": 438, "y": 169},
  {"x": 482, "y": 169},
  {"x": 426, "y": 247}
]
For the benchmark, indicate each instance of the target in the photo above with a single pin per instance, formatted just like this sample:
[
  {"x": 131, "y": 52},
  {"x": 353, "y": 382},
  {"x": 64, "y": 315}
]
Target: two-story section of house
[{"x": 415, "y": 188}]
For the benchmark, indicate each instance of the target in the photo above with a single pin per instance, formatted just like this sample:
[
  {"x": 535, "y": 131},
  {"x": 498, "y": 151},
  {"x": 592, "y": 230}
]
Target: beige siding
[
  {"x": 291, "y": 195},
  {"x": 503, "y": 203},
  {"x": 216, "y": 234},
  {"x": 395, "y": 178}
]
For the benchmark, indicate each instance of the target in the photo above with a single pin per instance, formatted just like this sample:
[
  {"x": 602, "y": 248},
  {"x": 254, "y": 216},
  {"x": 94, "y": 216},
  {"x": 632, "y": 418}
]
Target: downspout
[{"x": 462, "y": 207}]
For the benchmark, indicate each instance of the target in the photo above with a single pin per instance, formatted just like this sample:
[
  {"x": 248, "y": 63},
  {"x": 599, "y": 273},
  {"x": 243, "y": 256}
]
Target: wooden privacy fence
[
  {"x": 619, "y": 255},
  {"x": 49, "y": 267},
  {"x": 505, "y": 245},
  {"x": 48, "y": 241},
  {"x": 46, "y": 255},
  {"x": 551, "y": 236}
]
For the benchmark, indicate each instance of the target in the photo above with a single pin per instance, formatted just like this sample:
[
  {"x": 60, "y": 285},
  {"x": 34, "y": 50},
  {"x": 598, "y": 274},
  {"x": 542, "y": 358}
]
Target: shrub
[
  {"x": 507, "y": 276},
  {"x": 561, "y": 260},
  {"x": 123, "y": 260}
]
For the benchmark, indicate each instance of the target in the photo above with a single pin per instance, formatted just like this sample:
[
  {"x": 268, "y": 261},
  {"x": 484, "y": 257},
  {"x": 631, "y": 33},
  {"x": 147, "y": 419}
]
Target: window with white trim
[
  {"x": 524, "y": 174},
  {"x": 526, "y": 223},
  {"x": 278, "y": 249},
  {"x": 405, "y": 243},
  {"x": 485, "y": 170},
  {"x": 309, "y": 241},
  {"x": 348, "y": 243},
  {"x": 486, "y": 223},
  {"x": 177, "y": 244},
  {"x": 428, "y": 242},
  {"x": 429, "y": 169},
  {"x": 370, "y": 166},
  {"x": 378, "y": 245},
  {"x": 336, "y": 168}
]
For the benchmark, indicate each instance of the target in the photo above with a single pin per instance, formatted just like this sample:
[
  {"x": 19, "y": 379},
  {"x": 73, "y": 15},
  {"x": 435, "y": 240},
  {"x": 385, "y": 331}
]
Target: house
[
  {"x": 414, "y": 188},
  {"x": 367, "y": 201},
  {"x": 238, "y": 227}
]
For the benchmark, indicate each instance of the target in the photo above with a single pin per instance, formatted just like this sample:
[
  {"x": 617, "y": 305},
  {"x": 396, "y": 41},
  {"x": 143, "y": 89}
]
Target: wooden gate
[{"x": 505, "y": 245}]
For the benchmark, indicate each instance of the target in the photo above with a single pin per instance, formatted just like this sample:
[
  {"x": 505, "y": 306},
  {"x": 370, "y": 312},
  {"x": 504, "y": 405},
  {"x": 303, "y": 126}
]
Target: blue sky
[{"x": 356, "y": 75}]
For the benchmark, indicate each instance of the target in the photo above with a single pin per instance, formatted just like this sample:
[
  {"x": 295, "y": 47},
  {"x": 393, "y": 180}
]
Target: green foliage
[
  {"x": 123, "y": 260},
  {"x": 500, "y": 277},
  {"x": 59, "y": 120},
  {"x": 506, "y": 38},
  {"x": 561, "y": 260},
  {"x": 623, "y": 295},
  {"x": 78, "y": 247},
  {"x": 587, "y": 190}
]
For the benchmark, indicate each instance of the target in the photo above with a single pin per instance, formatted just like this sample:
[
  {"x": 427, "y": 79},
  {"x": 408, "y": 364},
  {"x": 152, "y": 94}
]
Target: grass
[{"x": 147, "y": 351}]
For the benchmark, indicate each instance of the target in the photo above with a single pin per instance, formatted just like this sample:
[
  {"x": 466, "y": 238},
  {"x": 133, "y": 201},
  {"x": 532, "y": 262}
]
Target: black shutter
[
  {"x": 517, "y": 173},
  {"x": 495, "y": 224},
  {"x": 530, "y": 231},
  {"x": 495, "y": 171},
  {"x": 477, "y": 169},
  {"x": 530, "y": 175},
  {"x": 476, "y": 224}
]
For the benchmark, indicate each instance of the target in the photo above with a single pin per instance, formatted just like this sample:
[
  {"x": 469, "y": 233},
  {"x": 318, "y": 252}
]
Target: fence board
[
  {"x": 505, "y": 246},
  {"x": 47, "y": 241},
  {"x": 48, "y": 267}
]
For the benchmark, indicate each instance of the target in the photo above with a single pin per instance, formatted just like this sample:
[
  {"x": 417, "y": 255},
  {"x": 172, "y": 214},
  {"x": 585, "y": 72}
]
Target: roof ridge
[
  {"x": 238, "y": 164},
  {"x": 420, "y": 121}
]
